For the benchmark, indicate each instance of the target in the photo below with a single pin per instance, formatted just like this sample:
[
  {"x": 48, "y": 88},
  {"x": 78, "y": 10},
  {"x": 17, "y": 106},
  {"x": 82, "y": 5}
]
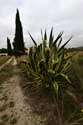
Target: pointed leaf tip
[{"x": 32, "y": 39}]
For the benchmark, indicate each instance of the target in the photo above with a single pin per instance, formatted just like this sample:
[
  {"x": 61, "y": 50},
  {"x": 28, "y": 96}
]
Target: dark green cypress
[
  {"x": 9, "y": 48},
  {"x": 18, "y": 39}
]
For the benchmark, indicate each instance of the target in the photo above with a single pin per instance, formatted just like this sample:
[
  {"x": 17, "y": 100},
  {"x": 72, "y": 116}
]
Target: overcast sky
[{"x": 63, "y": 15}]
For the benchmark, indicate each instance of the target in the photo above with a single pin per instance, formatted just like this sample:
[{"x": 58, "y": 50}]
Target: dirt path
[
  {"x": 12, "y": 107},
  {"x": 18, "y": 109},
  {"x": 6, "y": 63}
]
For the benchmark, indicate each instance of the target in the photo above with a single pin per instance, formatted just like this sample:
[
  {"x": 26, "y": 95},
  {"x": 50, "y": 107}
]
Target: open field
[
  {"x": 76, "y": 76},
  {"x": 76, "y": 71}
]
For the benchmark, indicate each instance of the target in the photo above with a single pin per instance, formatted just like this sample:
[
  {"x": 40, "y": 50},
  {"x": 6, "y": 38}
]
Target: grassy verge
[
  {"x": 76, "y": 72},
  {"x": 73, "y": 109},
  {"x": 3, "y": 59},
  {"x": 5, "y": 73}
]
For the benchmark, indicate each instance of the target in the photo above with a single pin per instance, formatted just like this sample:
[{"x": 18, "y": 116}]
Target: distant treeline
[
  {"x": 3, "y": 50},
  {"x": 75, "y": 49}
]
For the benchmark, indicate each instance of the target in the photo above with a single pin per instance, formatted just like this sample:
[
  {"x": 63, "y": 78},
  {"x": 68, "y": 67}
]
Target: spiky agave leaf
[
  {"x": 32, "y": 39},
  {"x": 60, "y": 63},
  {"x": 56, "y": 87},
  {"x": 65, "y": 44},
  {"x": 47, "y": 56},
  {"x": 31, "y": 58},
  {"x": 44, "y": 44},
  {"x": 60, "y": 41},
  {"x": 51, "y": 38},
  {"x": 65, "y": 77},
  {"x": 45, "y": 35},
  {"x": 58, "y": 37},
  {"x": 42, "y": 34}
]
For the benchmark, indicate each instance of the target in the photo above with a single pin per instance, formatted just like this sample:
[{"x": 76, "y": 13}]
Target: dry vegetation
[{"x": 3, "y": 59}]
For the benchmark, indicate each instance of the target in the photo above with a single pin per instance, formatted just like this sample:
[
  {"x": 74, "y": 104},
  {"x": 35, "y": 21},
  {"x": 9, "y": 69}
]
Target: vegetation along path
[{"x": 15, "y": 107}]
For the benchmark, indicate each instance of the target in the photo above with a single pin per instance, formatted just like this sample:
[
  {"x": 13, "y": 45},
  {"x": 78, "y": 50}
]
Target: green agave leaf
[
  {"x": 41, "y": 34},
  {"x": 44, "y": 43},
  {"x": 51, "y": 71},
  {"x": 69, "y": 56},
  {"x": 71, "y": 94},
  {"x": 36, "y": 75},
  {"x": 43, "y": 51},
  {"x": 32, "y": 39},
  {"x": 47, "y": 56},
  {"x": 31, "y": 59},
  {"x": 45, "y": 36},
  {"x": 58, "y": 37},
  {"x": 65, "y": 43},
  {"x": 30, "y": 69},
  {"x": 60, "y": 64},
  {"x": 60, "y": 42},
  {"x": 65, "y": 77},
  {"x": 56, "y": 86},
  {"x": 39, "y": 52},
  {"x": 51, "y": 38},
  {"x": 66, "y": 67}
]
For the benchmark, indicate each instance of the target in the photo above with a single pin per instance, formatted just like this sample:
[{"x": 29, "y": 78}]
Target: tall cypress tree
[
  {"x": 18, "y": 39},
  {"x": 9, "y": 48}
]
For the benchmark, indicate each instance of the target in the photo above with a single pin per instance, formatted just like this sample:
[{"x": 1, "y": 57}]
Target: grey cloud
[{"x": 63, "y": 15}]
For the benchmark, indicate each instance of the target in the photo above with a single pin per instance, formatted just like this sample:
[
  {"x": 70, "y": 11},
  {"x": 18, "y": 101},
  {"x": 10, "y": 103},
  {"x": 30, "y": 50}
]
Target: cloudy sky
[{"x": 63, "y": 15}]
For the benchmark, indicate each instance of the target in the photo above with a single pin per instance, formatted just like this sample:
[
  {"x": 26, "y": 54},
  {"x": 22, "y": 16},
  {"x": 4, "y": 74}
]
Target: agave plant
[
  {"x": 47, "y": 66},
  {"x": 47, "y": 63}
]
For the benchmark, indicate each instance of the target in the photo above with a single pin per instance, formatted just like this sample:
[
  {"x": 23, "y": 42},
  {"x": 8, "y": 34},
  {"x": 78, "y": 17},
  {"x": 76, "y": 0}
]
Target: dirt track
[
  {"x": 18, "y": 109},
  {"x": 12, "y": 107}
]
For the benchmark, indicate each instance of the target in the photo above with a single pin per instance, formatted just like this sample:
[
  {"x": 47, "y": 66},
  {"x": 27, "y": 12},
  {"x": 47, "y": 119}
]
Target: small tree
[
  {"x": 18, "y": 39},
  {"x": 9, "y": 48}
]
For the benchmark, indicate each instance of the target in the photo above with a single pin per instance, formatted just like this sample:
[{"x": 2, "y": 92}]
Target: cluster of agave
[{"x": 47, "y": 62}]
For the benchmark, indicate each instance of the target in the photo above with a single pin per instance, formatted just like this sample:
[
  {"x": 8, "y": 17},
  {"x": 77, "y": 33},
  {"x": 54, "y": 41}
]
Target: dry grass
[
  {"x": 3, "y": 59},
  {"x": 75, "y": 52},
  {"x": 5, "y": 73},
  {"x": 22, "y": 58}
]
